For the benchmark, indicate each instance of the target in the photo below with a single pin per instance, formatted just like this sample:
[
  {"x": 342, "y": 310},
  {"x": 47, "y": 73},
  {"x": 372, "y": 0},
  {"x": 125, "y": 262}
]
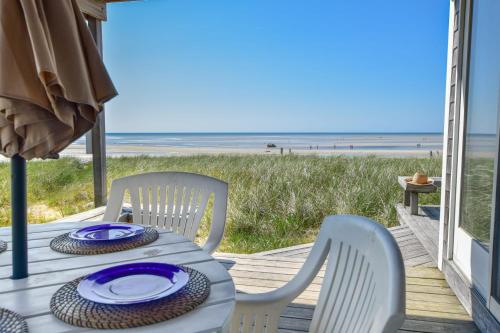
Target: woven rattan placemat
[
  {"x": 66, "y": 244},
  {"x": 3, "y": 246},
  {"x": 67, "y": 305},
  {"x": 11, "y": 322}
]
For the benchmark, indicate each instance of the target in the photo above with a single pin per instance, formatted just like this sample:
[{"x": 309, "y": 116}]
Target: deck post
[{"x": 98, "y": 133}]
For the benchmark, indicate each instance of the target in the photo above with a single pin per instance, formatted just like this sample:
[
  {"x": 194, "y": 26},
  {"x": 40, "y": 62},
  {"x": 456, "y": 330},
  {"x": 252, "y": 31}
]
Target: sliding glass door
[{"x": 478, "y": 197}]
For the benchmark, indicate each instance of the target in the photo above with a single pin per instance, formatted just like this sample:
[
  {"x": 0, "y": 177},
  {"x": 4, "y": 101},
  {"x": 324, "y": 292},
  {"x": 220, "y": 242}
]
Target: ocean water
[{"x": 316, "y": 141}]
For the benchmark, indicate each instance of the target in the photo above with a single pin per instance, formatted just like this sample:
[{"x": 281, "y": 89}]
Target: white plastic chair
[
  {"x": 363, "y": 287},
  {"x": 172, "y": 200}
]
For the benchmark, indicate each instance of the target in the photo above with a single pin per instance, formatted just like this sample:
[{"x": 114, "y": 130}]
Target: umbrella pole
[{"x": 19, "y": 218}]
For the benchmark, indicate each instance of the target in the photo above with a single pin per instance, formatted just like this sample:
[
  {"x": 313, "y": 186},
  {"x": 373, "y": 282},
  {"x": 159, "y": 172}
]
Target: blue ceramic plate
[
  {"x": 133, "y": 283},
  {"x": 107, "y": 232}
]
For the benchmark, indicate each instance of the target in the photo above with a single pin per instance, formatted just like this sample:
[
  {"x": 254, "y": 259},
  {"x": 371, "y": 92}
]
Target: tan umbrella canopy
[
  {"x": 52, "y": 87},
  {"x": 52, "y": 79}
]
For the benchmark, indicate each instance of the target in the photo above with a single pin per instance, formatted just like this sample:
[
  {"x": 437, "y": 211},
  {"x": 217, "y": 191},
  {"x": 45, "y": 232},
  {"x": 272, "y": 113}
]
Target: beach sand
[
  {"x": 383, "y": 145},
  {"x": 76, "y": 150}
]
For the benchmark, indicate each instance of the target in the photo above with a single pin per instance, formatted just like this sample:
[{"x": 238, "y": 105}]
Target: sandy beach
[
  {"x": 317, "y": 144},
  {"x": 131, "y": 150}
]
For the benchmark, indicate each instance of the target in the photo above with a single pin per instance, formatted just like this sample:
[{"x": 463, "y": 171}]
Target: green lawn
[{"x": 274, "y": 201}]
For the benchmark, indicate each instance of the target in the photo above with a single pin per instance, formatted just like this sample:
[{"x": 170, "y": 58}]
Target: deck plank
[
  {"x": 413, "y": 252},
  {"x": 425, "y": 226},
  {"x": 432, "y": 307}
]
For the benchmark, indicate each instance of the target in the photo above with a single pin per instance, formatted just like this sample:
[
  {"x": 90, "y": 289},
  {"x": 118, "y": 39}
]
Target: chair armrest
[
  {"x": 214, "y": 237},
  {"x": 281, "y": 295},
  {"x": 211, "y": 245},
  {"x": 218, "y": 221},
  {"x": 259, "y": 310}
]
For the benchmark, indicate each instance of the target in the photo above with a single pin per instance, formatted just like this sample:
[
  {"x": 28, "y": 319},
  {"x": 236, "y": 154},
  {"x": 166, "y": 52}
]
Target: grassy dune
[{"x": 274, "y": 201}]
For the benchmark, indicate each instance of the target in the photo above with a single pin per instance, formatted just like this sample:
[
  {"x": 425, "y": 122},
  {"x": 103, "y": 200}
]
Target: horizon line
[{"x": 277, "y": 132}]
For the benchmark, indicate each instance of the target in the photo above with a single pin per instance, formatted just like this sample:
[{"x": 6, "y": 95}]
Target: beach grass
[
  {"x": 476, "y": 201},
  {"x": 274, "y": 201}
]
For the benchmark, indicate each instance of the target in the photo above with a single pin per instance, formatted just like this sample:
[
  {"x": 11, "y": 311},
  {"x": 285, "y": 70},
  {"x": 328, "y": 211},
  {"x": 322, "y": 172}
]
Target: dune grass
[{"x": 274, "y": 201}]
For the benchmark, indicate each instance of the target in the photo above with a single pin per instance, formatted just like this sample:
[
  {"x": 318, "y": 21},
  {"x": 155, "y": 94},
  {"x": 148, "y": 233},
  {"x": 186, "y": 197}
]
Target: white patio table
[{"x": 49, "y": 270}]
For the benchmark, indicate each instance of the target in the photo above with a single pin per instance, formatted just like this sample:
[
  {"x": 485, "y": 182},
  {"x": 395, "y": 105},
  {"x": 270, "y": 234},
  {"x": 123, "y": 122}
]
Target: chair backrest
[
  {"x": 363, "y": 288},
  {"x": 172, "y": 200}
]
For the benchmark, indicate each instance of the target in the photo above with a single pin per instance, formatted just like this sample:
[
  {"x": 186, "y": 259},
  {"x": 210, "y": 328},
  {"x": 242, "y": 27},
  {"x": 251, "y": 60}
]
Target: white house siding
[{"x": 452, "y": 110}]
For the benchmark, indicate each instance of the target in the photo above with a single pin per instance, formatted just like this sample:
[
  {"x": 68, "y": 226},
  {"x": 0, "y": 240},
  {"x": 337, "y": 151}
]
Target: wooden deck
[
  {"x": 414, "y": 254},
  {"x": 425, "y": 226},
  {"x": 431, "y": 305}
]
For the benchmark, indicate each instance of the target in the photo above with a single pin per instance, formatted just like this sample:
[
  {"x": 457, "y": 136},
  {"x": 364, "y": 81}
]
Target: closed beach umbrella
[{"x": 52, "y": 87}]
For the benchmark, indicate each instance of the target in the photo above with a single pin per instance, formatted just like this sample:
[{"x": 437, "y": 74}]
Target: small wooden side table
[{"x": 412, "y": 191}]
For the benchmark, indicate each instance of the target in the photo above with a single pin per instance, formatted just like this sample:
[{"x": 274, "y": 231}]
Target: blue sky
[{"x": 277, "y": 65}]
